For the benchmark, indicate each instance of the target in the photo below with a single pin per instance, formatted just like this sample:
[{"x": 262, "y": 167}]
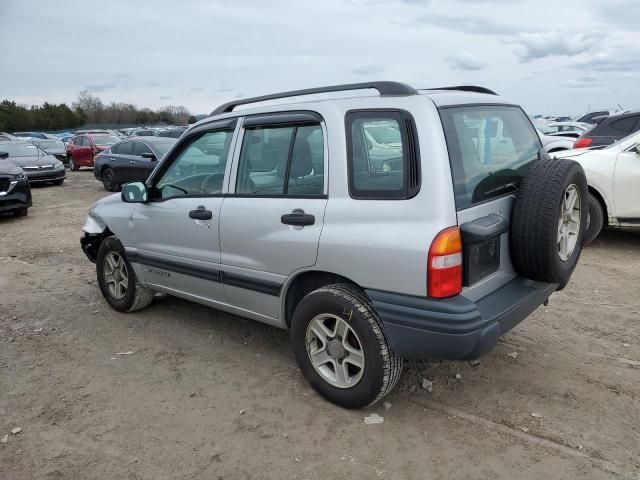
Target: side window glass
[
  {"x": 263, "y": 161},
  {"x": 306, "y": 173},
  {"x": 83, "y": 142},
  {"x": 278, "y": 161},
  {"x": 624, "y": 125},
  {"x": 377, "y": 154},
  {"x": 125, "y": 148},
  {"x": 139, "y": 148},
  {"x": 196, "y": 170}
]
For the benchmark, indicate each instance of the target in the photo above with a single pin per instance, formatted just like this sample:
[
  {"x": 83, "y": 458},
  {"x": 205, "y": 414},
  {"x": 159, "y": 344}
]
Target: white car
[
  {"x": 613, "y": 176},
  {"x": 567, "y": 129}
]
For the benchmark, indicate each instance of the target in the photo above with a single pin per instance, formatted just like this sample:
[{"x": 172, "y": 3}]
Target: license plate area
[
  {"x": 481, "y": 247},
  {"x": 480, "y": 260}
]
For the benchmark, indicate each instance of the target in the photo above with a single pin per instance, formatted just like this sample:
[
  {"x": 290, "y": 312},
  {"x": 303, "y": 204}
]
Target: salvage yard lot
[{"x": 205, "y": 394}]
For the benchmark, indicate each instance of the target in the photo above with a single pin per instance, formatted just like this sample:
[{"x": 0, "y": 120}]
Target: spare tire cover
[{"x": 548, "y": 221}]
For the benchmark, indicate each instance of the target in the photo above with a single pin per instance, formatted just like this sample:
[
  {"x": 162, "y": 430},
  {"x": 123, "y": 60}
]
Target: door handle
[
  {"x": 298, "y": 219},
  {"x": 201, "y": 214},
  {"x": 132, "y": 162}
]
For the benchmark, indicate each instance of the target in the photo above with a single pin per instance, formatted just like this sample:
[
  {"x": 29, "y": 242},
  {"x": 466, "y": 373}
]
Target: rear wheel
[
  {"x": 109, "y": 182},
  {"x": 117, "y": 280},
  {"x": 340, "y": 347},
  {"x": 595, "y": 221}
]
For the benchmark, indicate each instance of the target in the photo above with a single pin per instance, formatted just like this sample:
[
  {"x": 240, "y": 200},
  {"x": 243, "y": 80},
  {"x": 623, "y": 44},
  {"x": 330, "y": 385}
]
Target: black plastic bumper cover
[
  {"x": 456, "y": 328},
  {"x": 90, "y": 244}
]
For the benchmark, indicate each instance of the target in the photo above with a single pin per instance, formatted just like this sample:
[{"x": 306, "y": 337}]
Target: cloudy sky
[{"x": 550, "y": 56}]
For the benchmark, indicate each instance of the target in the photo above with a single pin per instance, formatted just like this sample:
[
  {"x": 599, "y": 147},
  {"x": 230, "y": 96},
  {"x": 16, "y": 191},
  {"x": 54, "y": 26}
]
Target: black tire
[
  {"x": 72, "y": 165},
  {"x": 109, "y": 180},
  {"x": 595, "y": 224},
  {"x": 536, "y": 217},
  {"x": 23, "y": 212},
  {"x": 382, "y": 367},
  {"x": 58, "y": 182},
  {"x": 136, "y": 296}
]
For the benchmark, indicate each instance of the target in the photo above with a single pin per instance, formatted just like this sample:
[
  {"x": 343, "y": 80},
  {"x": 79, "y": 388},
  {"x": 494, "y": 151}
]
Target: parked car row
[{"x": 23, "y": 164}]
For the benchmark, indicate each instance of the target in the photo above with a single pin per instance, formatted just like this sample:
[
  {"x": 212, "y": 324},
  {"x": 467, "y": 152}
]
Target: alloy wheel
[
  {"x": 569, "y": 223},
  {"x": 116, "y": 276},
  {"x": 335, "y": 351}
]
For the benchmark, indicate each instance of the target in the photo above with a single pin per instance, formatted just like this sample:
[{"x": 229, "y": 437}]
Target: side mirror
[
  {"x": 4, "y": 155},
  {"x": 134, "y": 192},
  {"x": 149, "y": 155}
]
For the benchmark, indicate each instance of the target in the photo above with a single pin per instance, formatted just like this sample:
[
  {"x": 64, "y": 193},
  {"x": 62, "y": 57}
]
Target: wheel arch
[
  {"x": 596, "y": 193},
  {"x": 302, "y": 283}
]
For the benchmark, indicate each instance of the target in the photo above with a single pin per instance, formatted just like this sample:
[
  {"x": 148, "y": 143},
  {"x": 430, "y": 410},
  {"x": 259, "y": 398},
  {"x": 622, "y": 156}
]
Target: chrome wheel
[
  {"x": 569, "y": 223},
  {"x": 116, "y": 276},
  {"x": 335, "y": 351}
]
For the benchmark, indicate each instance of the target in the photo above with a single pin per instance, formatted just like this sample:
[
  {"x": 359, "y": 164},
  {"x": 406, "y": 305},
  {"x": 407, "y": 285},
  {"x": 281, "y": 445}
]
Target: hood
[
  {"x": 34, "y": 161},
  {"x": 109, "y": 200},
  {"x": 8, "y": 168},
  {"x": 55, "y": 151}
]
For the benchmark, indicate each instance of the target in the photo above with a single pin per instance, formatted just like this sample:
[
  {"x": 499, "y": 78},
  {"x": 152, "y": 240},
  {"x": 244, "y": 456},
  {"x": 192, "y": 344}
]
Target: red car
[{"x": 82, "y": 149}]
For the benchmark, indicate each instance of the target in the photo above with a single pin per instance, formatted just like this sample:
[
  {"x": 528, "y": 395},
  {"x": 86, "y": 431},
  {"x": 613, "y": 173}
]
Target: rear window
[{"x": 490, "y": 149}]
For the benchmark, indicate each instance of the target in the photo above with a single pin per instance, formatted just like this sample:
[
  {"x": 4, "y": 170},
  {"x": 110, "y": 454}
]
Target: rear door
[
  {"x": 271, "y": 221},
  {"x": 490, "y": 148}
]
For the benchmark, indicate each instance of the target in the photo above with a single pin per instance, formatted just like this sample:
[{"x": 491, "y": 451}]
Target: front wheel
[
  {"x": 58, "y": 182},
  {"x": 341, "y": 348},
  {"x": 23, "y": 212},
  {"x": 117, "y": 280}
]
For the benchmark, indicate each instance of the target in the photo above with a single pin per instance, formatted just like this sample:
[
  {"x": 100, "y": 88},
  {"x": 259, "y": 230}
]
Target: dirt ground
[{"x": 207, "y": 395}]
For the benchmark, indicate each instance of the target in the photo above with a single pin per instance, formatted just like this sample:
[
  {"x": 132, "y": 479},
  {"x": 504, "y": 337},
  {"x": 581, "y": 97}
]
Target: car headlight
[{"x": 21, "y": 176}]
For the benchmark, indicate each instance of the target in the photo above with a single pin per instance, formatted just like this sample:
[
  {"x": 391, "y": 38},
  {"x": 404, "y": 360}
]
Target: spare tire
[{"x": 549, "y": 220}]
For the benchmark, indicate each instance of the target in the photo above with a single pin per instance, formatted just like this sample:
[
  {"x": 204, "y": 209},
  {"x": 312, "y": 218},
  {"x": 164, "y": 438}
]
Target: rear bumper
[{"x": 456, "y": 328}]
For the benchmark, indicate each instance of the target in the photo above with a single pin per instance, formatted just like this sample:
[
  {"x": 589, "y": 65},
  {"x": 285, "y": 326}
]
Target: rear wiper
[{"x": 503, "y": 188}]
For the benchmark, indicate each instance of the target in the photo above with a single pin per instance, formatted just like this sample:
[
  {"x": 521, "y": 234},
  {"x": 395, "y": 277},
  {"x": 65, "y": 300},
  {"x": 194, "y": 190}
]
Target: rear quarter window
[
  {"x": 490, "y": 148},
  {"x": 382, "y": 155}
]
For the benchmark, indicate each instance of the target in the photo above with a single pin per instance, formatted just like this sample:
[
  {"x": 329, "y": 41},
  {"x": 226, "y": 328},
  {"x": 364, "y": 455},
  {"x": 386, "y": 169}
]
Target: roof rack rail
[
  {"x": 467, "y": 88},
  {"x": 386, "y": 89}
]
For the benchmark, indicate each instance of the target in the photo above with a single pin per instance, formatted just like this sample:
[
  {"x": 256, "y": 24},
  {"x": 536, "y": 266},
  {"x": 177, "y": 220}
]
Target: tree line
[{"x": 86, "y": 110}]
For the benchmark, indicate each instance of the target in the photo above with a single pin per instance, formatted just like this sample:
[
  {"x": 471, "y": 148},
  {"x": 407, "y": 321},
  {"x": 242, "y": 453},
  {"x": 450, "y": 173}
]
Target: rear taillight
[
  {"x": 444, "y": 265},
  {"x": 583, "y": 142}
]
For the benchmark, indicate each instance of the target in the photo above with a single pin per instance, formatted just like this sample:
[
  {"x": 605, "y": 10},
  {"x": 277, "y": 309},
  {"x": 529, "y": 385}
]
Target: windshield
[
  {"x": 490, "y": 148},
  {"x": 104, "y": 139},
  {"x": 20, "y": 150},
  {"x": 50, "y": 144}
]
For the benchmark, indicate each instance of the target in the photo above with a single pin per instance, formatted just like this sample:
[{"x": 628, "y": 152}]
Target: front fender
[{"x": 93, "y": 226}]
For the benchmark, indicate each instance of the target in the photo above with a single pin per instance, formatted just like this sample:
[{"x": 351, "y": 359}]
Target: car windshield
[
  {"x": 20, "y": 150},
  {"x": 104, "y": 139},
  {"x": 490, "y": 148},
  {"x": 50, "y": 144}
]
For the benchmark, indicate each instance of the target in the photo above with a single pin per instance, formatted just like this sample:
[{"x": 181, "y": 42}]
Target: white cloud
[{"x": 466, "y": 61}]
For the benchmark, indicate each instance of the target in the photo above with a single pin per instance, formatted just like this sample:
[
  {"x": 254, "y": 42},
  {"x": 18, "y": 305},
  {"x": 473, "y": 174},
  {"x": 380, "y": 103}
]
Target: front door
[
  {"x": 176, "y": 232},
  {"x": 270, "y": 223},
  {"x": 626, "y": 186}
]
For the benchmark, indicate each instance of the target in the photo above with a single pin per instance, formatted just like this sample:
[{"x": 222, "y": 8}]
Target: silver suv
[{"x": 420, "y": 224}]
